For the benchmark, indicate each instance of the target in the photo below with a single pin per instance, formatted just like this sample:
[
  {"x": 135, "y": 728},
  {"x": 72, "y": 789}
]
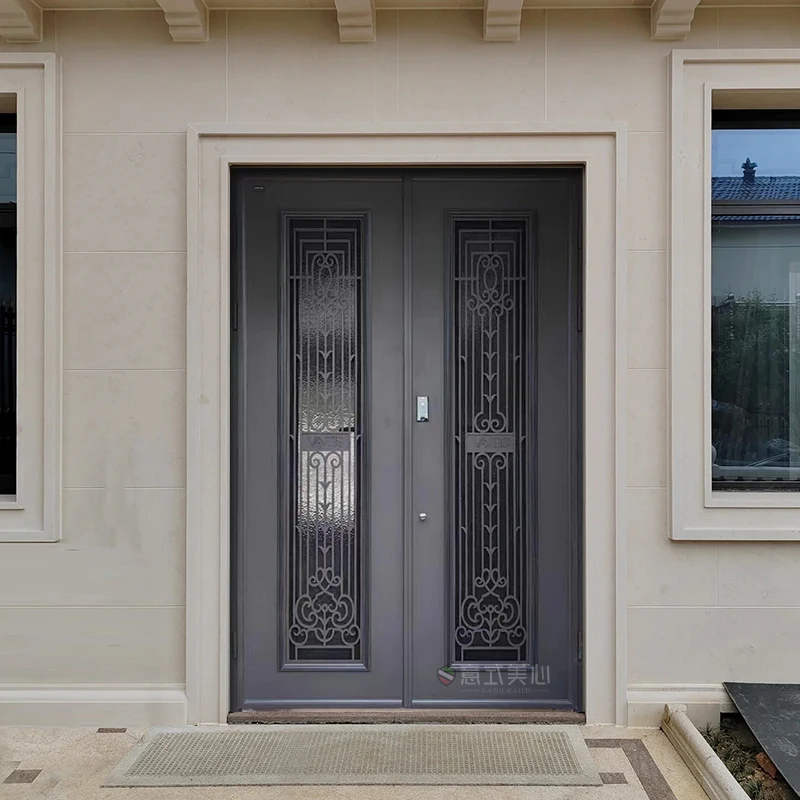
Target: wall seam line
[
  {"x": 124, "y": 489},
  {"x": 124, "y": 369},
  {"x": 227, "y": 70},
  {"x": 67, "y": 134},
  {"x": 546, "y": 64}
]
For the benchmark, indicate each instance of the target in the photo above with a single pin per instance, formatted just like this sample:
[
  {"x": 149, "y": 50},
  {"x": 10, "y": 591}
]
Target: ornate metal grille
[
  {"x": 489, "y": 447},
  {"x": 324, "y": 543}
]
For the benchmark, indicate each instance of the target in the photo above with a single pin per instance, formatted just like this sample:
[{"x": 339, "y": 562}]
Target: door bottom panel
[{"x": 467, "y": 716}]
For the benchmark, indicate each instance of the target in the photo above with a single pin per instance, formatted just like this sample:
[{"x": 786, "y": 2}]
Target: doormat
[{"x": 528, "y": 755}]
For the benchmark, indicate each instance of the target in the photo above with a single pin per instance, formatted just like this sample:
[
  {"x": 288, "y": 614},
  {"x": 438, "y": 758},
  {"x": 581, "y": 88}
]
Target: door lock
[{"x": 422, "y": 408}]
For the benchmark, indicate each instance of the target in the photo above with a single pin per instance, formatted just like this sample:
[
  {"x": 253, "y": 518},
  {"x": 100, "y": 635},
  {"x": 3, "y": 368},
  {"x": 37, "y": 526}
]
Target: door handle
[{"x": 423, "y": 516}]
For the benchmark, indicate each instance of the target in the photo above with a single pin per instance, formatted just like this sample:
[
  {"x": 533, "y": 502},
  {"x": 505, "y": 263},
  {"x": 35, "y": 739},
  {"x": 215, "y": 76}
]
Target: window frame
[
  {"x": 754, "y": 119},
  {"x": 33, "y": 513},
  {"x": 741, "y": 78}
]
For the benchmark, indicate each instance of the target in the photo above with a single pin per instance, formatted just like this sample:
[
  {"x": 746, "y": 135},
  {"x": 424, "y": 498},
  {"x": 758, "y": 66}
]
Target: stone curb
[{"x": 712, "y": 774}]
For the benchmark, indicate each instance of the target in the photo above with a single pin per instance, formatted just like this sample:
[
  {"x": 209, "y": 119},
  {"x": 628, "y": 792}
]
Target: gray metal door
[
  {"x": 405, "y": 458},
  {"x": 496, "y": 487},
  {"x": 318, "y": 404}
]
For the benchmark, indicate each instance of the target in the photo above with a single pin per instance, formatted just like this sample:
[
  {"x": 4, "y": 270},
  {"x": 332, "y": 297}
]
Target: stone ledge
[{"x": 705, "y": 764}]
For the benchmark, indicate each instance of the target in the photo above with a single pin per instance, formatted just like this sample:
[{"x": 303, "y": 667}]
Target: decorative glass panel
[
  {"x": 490, "y": 472},
  {"x": 755, "y": 301},
  {"x": 324, "y": 543}
]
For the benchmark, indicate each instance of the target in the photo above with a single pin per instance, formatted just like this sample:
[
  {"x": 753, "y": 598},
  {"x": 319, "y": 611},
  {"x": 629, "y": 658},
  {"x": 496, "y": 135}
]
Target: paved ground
[{"x": 72, "y": 763}]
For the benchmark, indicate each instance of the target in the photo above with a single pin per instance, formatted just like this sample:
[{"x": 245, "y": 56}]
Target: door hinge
[
  {"x": 580, "y": 645},
  {"x": 235, "y": 316},
  {"x": 234, "y": 645}
]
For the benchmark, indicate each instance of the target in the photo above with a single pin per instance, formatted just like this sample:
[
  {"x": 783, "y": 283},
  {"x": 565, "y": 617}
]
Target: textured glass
[
  {"x": 489, "y": 489},
  {"x": 324, "y": 543},
  {"x": 755, "y": 308}
]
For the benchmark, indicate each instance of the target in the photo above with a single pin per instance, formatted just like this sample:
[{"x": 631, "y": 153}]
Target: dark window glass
[
  {"x": 8, "y": 304},
  {"x": 755, "y": 301}
]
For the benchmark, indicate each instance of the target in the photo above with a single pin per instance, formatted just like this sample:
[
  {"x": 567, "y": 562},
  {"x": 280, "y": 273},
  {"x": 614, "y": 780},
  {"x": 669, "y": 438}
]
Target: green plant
[
  {"x": 752, "y": 787},
  {"x": 751, "y": 354},
  {"x": 740, "y": 759},
  {"x": 754, "y": 358}
]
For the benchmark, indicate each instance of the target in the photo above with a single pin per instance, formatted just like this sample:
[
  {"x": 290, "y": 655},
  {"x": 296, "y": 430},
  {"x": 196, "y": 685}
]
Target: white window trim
[
  {"x": 697, "y": 511},
  {"x": 34, "y": 513}
]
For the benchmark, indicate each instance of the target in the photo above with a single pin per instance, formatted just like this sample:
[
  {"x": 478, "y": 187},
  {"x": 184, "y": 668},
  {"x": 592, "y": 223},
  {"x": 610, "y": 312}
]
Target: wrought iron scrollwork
[
  {"x": 489, "y": 358},
  {"x": 324, "y": 606}
]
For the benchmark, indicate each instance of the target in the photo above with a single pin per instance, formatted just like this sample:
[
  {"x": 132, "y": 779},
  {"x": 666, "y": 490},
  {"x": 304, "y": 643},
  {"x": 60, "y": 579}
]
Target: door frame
[
  {"x": 211, "y": 151},
  {"x": 405, "y": 176}
]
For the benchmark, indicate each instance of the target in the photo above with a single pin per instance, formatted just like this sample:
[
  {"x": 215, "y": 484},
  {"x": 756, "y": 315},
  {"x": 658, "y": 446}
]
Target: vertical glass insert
[
  {"x": 489, "y": 384},
  {"x": 324, "y": 312}
]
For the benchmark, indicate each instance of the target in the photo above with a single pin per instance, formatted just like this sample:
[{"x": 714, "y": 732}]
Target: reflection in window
[
  {"x": 755, "y": 301},
  {"x": 8, "y": 304}
]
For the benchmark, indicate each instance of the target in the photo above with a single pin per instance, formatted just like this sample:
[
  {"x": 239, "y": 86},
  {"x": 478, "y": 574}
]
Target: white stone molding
[
  {"x": 33, "y": 514},
  {"x": 711, "y": 773},
  {"x": 20, "y": 21},
  {"x": 356, "y": 20},
  {"x": 672, "y": 19},
  {"x": 187, "y": 19},
  {"x": 704, "y": 701},
  {"x": 501, "y": 20},
  {"x": 93, "y": 705},
  {"x": 601, "y": 151},
  {"x": 697, "y": 511}
]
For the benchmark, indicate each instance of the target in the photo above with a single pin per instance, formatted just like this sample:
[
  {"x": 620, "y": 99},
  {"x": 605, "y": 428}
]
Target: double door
[{"x": 406, "y": 439}]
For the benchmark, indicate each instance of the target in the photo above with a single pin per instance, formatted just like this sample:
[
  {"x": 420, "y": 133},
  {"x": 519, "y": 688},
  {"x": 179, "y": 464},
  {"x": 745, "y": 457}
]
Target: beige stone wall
[{"x": 105, "y": 605}]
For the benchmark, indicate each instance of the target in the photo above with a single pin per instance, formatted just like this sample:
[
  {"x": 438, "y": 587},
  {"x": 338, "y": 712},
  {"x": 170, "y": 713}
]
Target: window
[
  {"x": 30, "y": 298},
  {"x": 733, "y": 248},
  {"x": 8, "y": 304},
  {"x": 755, "y": 300}
]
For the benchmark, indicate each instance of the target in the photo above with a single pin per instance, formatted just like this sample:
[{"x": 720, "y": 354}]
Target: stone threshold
[{"x": 442, "y": 716}]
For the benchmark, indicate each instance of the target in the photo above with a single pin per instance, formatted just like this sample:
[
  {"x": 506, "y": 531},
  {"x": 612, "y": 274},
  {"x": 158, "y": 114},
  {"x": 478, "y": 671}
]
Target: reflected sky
[{"x": 777, "y": 152}]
